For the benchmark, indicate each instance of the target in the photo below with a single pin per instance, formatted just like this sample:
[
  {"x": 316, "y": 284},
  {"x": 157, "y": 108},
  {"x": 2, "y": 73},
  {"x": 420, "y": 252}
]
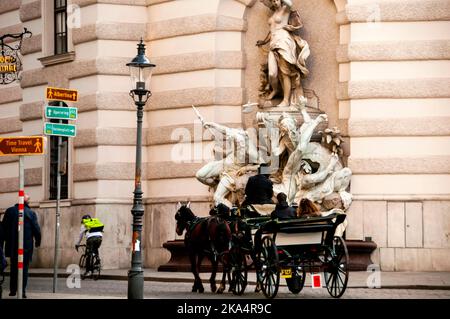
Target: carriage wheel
[
  {"x": 238, "y": 272},
  {"x": 97, "y": 266},
  {"x": 269, "y": 275},
  {"x": 336, "y": 270},
  {"x": 296, "y": 283}
]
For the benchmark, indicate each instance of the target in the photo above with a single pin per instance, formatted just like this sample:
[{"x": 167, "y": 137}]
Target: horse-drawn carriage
[
  {"x": 288, "y": 249},
  {"x": 279, "y": 249}
]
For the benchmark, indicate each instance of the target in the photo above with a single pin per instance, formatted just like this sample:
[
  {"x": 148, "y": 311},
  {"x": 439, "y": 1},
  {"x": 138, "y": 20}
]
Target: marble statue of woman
[{"x": 287, "y": 53}]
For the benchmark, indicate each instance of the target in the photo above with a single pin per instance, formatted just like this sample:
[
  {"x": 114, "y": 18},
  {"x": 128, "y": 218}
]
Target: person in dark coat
[
  {"x": 259, "y": 188},
  {"x": 2, "y": 236},
  {"x": 3, "y": 262},
  {"x": 32, "y": 237},
  {"x": 282, "y": 209}
]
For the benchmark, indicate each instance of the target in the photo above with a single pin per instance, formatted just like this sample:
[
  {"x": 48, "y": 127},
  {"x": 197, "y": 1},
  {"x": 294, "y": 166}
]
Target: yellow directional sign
[
  {"x": 21, "y": 145},
  {"x": 62, "y": 94}
]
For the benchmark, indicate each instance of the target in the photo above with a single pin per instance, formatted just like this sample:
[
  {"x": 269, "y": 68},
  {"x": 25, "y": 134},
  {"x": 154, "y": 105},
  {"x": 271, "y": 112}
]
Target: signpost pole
[
  {"x": 58, "y": 198},
  {"x": 59, "y": 129},
  {"x": 20, "y": 230},
  {"x": 21, "y": 146}
]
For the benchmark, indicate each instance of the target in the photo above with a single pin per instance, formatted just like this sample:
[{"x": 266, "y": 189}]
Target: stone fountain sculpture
[
  {"x": 301, "y": 168},
  {"x": 305, "y": 156}
]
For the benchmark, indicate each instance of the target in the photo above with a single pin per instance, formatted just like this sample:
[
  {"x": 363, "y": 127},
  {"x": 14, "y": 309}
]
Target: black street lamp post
[{"x": 140, "y": 71}]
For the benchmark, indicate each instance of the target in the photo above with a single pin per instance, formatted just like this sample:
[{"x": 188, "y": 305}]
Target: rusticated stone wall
[
  {"x": 394, "y": 80},
  {"x": 381, "y": 72}
]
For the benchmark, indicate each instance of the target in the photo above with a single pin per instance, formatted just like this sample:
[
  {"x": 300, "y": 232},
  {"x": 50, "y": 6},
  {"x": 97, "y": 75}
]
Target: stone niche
[{"x": 321, "y": 32}]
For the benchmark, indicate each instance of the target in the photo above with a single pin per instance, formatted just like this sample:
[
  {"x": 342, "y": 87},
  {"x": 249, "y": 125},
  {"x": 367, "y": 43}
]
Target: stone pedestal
[
  {"x": 359, "y": 254},
  {"x": 179, "y": 258}
]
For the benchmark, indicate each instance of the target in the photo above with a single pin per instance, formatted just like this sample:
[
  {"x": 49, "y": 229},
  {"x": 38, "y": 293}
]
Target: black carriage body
[
  {"x": 300, "y": 245},
  {"x": 308, "y": 253}
]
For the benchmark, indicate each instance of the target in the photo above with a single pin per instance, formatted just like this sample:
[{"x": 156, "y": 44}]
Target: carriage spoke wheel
[
  {"x": 97, "y": 266},
  {"x": 238, "y": 272},
  {"x": 336, "y": 270},
  {"x": 296, "y": 283},
  {"x": 269, "y": 275}
]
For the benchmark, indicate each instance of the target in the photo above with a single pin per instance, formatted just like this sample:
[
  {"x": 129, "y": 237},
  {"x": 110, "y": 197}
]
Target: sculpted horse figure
[{"x": 207, "y": 236}]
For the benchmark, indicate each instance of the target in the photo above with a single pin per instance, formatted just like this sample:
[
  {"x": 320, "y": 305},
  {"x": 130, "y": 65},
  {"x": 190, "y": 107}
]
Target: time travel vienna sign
[{"x": 21, "y": 145}]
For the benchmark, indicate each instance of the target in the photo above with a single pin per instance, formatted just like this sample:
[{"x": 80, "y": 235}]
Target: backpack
[{"x": 93, "y": 224}]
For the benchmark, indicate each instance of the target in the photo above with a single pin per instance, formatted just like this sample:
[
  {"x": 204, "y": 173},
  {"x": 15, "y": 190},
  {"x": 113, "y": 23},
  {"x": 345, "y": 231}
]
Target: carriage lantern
[{"x": 140, "y": 71}]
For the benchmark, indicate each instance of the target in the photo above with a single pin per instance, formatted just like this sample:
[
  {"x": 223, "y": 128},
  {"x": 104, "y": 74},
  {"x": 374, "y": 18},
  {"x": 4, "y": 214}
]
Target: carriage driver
[{"x": 259, "y": 188}]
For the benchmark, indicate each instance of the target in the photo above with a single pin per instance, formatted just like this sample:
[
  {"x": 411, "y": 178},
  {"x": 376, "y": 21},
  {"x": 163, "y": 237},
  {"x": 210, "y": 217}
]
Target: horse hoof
[
  {"x": 213, "y": 289},
  {"x": 201, "y": 290},
  {"x": 194, "y": 289},
  {"x": 220, "y": 290}
]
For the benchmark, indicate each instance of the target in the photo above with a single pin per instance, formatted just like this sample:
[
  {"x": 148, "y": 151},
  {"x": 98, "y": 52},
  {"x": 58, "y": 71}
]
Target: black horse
[{"x": 208, "y": 236}]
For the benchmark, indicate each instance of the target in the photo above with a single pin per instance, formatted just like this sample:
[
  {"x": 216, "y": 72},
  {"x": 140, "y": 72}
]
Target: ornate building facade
[{"x": 379, "y": 69}]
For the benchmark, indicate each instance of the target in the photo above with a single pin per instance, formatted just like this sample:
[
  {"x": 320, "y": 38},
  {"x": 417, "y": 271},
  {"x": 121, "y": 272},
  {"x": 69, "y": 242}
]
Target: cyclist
[{"x": 92, "y": 228}]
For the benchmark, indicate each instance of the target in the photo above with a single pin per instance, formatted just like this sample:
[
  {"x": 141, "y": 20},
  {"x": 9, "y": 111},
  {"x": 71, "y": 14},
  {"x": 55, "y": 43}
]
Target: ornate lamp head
[{"x": 140, "y": 71}]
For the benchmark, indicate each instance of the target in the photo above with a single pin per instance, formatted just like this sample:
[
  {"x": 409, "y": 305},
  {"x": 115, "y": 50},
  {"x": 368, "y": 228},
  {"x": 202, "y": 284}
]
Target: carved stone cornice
[{"x": 57, "y": 59}]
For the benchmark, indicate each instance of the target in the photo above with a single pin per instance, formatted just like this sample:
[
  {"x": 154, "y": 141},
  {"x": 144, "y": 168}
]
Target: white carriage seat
[
  {"x": 340, "y": 228},
  {"x": 263, "y": 209},
  {"x": 289, "y": 239}
]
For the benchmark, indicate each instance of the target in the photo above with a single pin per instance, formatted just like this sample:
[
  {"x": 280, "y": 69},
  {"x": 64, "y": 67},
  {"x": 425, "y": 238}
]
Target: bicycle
[{"x": 96, "y": 263}]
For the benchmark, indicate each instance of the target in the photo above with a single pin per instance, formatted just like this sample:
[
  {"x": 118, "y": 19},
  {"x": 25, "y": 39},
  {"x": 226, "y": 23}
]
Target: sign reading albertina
[
  {"x": 61, "y": 113},
  {"x": 10, "y": 63},
  {"x": 21, "y": 145},
  {"x": 62, "y": 94},
  {"x": 60, "y": 129}
]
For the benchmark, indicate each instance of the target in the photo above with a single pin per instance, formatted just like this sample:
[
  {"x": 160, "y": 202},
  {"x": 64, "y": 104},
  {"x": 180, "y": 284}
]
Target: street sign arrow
[
  {"x": 21, "y": 145},
  {"x": 62, "y": 94},
  {"x": 60, "y": 129},
  {"x": 61, "y": 113}
]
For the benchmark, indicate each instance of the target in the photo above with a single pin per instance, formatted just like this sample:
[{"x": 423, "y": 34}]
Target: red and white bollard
[{"x": 20, "y": 229}]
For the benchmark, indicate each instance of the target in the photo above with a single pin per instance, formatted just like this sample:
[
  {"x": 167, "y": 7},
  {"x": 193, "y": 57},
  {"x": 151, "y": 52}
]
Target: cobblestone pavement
[{"x": 42, "y": 287}]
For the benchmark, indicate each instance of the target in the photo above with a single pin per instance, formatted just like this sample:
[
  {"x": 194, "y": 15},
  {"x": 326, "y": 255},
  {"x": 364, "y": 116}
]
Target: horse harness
[{"x": 191, "y": 226}]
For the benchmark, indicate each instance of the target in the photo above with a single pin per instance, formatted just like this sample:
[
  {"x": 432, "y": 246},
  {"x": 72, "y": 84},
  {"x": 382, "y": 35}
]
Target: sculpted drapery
[{"x": 286, "y": 59}]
